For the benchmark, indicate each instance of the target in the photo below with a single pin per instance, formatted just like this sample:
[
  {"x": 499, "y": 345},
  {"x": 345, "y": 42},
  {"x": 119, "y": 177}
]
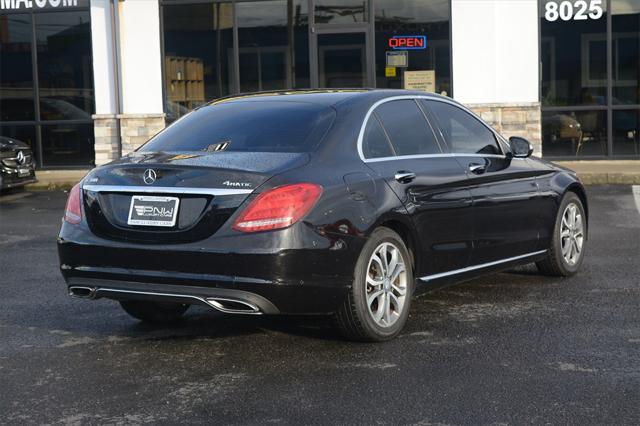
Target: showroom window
[
  {"x": 431, "y": 62},
  {"x": 46, "y": 83},
  {"x": 590, "y": 72},
  {"x": 201, "y": 59},
  {"x": 218, "y": 48}
]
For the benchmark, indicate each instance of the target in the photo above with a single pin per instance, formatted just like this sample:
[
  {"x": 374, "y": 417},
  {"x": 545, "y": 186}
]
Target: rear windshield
[{"x": 248, "y": 127}]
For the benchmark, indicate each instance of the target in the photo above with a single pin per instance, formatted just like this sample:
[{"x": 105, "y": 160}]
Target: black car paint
[
  {"x": 9, "y": 176},
  {"x": 449, "y": 219}
]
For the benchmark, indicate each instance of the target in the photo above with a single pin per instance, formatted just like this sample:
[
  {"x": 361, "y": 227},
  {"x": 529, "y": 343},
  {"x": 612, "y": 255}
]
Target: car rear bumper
[
  {"x": 225, "y": 294},
  {"x": 310, "y": 276},
  {"x": 224, "y": 300}
]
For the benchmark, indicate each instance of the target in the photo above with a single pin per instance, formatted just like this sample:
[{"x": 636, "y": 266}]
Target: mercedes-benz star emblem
[
  {"x": 20, "y": 158},
  {"x": 149, "y": 176}
]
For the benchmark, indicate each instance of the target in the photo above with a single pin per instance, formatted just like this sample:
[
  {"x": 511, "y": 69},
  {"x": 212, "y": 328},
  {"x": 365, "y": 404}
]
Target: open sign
[{"x": 408, "y": 42}]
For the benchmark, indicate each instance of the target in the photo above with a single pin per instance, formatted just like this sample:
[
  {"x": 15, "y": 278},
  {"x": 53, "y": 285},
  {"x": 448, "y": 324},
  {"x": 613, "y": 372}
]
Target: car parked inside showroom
[
  {"x": 343, "y": 203},
  {"x": 17, "y": 165}
]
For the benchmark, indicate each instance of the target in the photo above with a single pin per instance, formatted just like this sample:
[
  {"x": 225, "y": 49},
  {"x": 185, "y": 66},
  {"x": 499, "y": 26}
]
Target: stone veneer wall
[
  {"x": 105, "y": 130},
  {"x": 136, "y": 129},
  {"x": 522, "y": 119}
]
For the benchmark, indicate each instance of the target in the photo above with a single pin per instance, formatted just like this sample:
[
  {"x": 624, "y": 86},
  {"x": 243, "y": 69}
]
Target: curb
[{"x": 51, "y": 186}]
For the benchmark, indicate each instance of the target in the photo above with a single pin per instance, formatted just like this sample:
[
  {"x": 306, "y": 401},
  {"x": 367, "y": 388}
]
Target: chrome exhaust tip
[
  {"x": 82, "y": 292},
  {"x": 232, "y": 306}
]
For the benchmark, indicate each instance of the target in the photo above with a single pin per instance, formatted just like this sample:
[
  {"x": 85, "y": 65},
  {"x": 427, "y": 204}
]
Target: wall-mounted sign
[
  {"x": 567, "y": 10},
  {"x": 40, "y": 4},
  {"x": 390, "y": 71},
  {"x": 397, "y": 58},
  {"x": 424, "y": 81},
  {"x": 414, "y": 42}
]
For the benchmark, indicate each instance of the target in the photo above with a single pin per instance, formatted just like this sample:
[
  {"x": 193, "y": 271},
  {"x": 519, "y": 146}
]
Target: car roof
[{"x": 326, "y": 97}]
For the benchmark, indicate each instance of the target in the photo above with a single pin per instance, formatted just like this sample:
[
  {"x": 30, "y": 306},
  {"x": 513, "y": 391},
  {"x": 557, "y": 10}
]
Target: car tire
[
  {"x": 154, "y": 312},
  {"x": 566, "y": 252},
  {"x": 365, "y": 314}
]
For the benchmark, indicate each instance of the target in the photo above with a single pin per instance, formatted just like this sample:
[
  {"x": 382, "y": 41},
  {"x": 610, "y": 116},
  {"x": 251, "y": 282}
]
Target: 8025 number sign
[{"x": 567, "y": 10}]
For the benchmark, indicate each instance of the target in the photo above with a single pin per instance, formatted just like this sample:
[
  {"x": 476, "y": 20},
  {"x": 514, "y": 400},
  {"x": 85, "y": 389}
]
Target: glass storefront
[
  {"x": 590, "y": 78},
  {"x": 272, "y": 44},
  {"x": 213, "y": 49},
  {"x": 342, "y": 60},
  {"x": 46, "y": 84},
  {"x": 197, "y": 39},
  {"x": 415, "y": 17},
  {"x": 200, "y": 58},
  {"x": 340, "y": 11},
  {"x": 589, "y": 64}
]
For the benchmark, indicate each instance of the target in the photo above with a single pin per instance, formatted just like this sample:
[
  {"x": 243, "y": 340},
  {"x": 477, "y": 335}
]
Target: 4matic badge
[{"x": 237, "y": 184}]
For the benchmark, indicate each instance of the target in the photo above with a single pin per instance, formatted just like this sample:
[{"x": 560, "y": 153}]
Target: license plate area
[
  {"x": 148, "y": 210},
  {"x": 23, "y": 172}
]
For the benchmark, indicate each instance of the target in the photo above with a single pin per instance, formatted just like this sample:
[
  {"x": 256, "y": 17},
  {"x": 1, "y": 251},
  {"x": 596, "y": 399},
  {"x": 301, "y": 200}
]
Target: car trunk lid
[{"x": 204, "y": 188}]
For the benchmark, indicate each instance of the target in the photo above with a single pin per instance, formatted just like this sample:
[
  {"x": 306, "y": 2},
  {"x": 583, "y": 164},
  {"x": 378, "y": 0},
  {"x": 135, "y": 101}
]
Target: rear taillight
[
  {"x": 73, "y": 210},
  {"x": 278, "y": 207}
]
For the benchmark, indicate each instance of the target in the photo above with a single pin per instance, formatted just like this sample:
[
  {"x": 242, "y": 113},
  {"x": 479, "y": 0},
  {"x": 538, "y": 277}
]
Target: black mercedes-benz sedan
[
  {"x": 17, "y": 166},
  {"x": 344, "y": 203}
]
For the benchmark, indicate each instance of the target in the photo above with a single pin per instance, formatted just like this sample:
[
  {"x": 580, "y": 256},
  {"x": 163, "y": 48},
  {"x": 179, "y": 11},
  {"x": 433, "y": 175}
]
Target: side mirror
[{"x": 520, "y": 147}]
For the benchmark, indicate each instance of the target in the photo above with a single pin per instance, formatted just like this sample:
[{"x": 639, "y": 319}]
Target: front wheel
[
  {"x": 568, "y": 242},
  {"x": 154, "y": 312},
  {"x": 377, "y": 306}
]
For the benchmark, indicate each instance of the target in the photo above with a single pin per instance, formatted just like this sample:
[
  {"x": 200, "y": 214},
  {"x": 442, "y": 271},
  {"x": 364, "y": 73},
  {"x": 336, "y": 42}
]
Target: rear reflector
[
  {"x": 73, "y": 210},
  {"x": 278, "y": 208}
]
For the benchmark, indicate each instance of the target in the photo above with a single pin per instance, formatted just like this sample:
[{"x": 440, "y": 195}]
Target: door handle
[
  {"x": 404, "y": 176},
  {"x": 477, "y": 169}
]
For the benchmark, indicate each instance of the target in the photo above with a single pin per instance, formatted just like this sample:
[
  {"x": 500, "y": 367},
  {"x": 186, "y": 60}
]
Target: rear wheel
[
  {"x": 377, "y": 306},
  {"x": 569, "y": 237},
  {"x": 155, "y": 312}
]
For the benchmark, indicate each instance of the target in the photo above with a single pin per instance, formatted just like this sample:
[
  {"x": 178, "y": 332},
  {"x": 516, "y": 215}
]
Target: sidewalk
[{"x": 620, "y": 172}]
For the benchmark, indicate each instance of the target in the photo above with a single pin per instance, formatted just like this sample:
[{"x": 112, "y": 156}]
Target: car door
[
  {"x": 400, "y": 145},
  {"x": 504, "y": 189}
]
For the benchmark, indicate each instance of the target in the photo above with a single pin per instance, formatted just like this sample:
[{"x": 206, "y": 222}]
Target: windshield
[{"x": 263, "y": 126}]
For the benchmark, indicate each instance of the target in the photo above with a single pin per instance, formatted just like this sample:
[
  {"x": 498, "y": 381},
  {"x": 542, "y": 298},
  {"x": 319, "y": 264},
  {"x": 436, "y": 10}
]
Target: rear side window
[
  {"x": 407, "y": 128},
  {"x": 464, "y": 133},
  {"x": 263, "y": 126},
  {"x": 375, "y": 143}
]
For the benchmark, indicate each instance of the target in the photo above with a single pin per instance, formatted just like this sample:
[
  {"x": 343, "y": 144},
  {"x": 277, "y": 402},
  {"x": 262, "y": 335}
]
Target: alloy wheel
[
  {"x": 386, "y": 284},
  {"x": 572, "y": 234}
]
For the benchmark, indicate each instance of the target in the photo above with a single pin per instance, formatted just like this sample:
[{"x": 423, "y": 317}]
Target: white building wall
[
  {"x": 495, "y": 51},
  {"x": 141, "y": 66},
  {"x": 106, "y": 131},
  {"x": 140, "y": 55},
  {"x": 103, "y": 61}
]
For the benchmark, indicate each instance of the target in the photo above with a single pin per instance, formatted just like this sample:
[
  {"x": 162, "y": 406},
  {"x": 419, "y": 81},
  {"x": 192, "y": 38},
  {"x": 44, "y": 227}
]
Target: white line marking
[{"x": 636, "y": 195}]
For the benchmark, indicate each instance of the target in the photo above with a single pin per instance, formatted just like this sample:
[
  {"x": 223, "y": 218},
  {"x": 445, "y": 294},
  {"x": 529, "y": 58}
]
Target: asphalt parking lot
[{"x": 511, "y": 348}]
